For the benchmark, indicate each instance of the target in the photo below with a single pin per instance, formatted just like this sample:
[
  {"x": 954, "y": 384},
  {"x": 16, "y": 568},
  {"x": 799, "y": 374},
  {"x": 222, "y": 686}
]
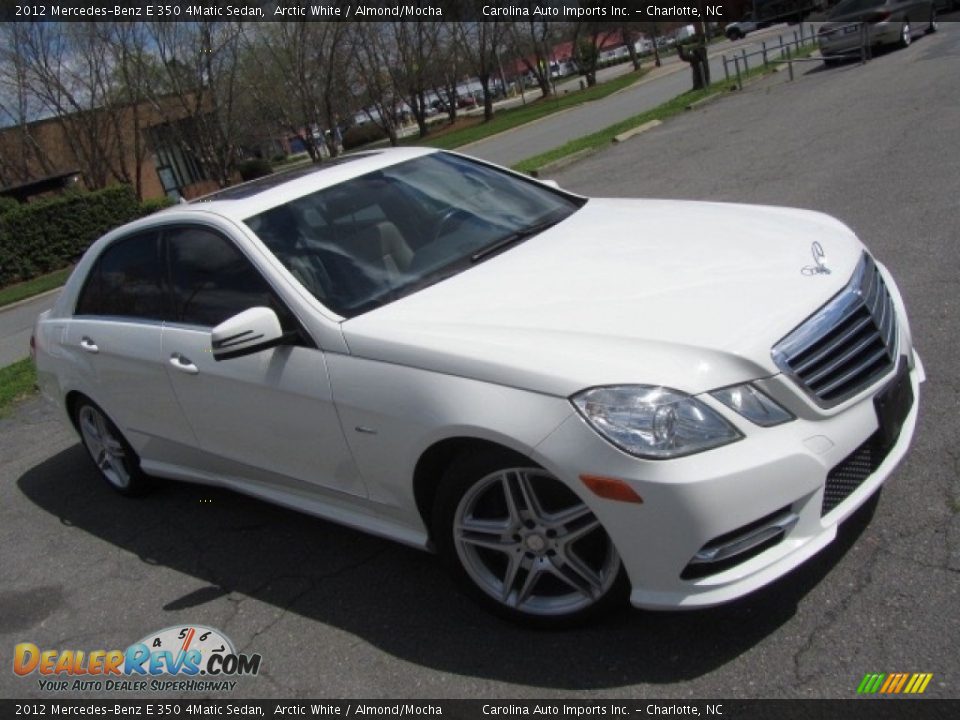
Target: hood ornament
[{"x": 819, "y": 258}]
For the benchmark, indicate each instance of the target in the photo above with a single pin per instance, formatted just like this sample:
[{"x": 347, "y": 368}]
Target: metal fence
[{"x": 787, "y": 47}]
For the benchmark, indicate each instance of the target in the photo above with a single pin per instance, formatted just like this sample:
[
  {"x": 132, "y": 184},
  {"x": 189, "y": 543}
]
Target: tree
[
  {"x": 532, "y": 42},
  {"x": 133, "y": 71},
  {"x": 69, "y": 70},
  {"x": 480, "y": 44},
  {"x": 588, "y": 38},
  {"x": 630, "y": 32},
  {"x": 198, "y": 89},
  {"x": 294, "y": 72},
  {"x": 371, "y": 85},
  {"x": 22, "y": 158},
  {"x": 653, "y": 30},
  {"x": 410, "y": 51}
]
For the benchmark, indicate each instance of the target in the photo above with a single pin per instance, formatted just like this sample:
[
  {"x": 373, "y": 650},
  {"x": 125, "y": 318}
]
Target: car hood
[{"x": 687, "y": 295}]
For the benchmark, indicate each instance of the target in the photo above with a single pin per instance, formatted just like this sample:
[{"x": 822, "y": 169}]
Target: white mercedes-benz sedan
[{"x": 568, "y": 399}]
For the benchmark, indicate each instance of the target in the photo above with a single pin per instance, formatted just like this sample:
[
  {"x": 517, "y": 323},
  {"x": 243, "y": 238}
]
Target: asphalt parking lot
[{"x": 336, "y": 613}]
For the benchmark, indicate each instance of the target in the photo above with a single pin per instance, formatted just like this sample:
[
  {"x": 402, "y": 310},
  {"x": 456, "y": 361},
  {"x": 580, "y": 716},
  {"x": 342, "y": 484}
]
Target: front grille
[
  {"x": 846, "y": 345},
  {"x": 850, "y": 472}
]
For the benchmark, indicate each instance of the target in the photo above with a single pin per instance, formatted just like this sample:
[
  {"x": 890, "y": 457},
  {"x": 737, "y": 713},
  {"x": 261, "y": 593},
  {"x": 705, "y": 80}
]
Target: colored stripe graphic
[
  {"x": 899, "y": 686},
  {"x": 870, "y": 683},
  {"x": 894, "y": 683}
]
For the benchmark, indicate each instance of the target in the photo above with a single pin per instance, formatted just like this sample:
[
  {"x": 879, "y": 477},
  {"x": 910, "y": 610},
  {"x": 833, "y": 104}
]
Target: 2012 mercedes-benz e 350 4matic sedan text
[{"x": 557, "y": 394}]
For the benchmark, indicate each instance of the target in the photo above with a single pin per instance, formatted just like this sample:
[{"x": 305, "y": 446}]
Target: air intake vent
[
  {"x": 850, "y": 473},
  {"x": 846, "y": 345}
]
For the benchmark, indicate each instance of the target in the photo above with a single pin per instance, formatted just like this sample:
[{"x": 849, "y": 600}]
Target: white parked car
[{"x": 561, "y": 396}]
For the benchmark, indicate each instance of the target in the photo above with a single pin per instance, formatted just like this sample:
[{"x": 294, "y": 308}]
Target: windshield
[{"x": 383, "y": 235}]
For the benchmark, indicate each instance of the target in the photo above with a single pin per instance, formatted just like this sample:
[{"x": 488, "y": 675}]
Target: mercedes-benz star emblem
[{"x": 820, "y": 261}]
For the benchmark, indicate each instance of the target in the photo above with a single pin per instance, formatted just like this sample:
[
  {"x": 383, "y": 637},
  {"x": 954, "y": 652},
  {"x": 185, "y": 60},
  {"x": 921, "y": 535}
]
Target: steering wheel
[{"x": 452, "y": 217}]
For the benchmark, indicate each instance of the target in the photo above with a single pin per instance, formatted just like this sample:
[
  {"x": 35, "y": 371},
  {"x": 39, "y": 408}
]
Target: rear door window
[{"x": 126, "y": 281}]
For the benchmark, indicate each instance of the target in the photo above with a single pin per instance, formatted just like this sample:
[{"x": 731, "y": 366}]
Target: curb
[
  {"x": 32, "y": 298},
  {"x": 564, "y": 161},
  {"x": 706, "y": 100},
  {"x": 627, "y": 134}
]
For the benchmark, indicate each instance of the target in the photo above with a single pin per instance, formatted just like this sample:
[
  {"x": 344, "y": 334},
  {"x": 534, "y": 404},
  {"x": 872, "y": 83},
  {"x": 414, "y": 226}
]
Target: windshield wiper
[{"x": 512, "y": 238}]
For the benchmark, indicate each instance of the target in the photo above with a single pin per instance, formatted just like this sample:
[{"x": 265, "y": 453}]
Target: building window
[{"x": 176, "y": 167}]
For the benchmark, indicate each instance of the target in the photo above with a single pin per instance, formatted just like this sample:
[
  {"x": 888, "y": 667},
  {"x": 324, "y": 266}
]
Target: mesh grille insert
[{"x": 849, "y": 473}]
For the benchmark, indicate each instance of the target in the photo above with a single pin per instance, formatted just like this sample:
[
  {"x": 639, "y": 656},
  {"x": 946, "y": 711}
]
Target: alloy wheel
[
  {"x": 531, "y": 544},
  {"x": 104, "y": 447}
]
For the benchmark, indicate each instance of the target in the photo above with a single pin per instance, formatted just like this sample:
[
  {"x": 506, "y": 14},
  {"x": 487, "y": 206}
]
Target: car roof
[{"x": 242, "y": 201}]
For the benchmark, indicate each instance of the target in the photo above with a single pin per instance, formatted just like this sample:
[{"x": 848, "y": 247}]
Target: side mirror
[
  {"x": 551, "y": 183},
  {"x": 246, "y": 333}
]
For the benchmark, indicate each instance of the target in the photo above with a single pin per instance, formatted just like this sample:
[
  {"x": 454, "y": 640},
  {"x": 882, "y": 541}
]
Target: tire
[
  {"x": 906, "y": 35},
  {"x": 117, "y": 462},
  {"x": 537, "y": 556}
]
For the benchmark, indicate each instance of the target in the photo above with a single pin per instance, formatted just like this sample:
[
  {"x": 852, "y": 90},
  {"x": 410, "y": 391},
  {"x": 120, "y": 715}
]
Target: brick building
[{"x": 138, "y": 145}]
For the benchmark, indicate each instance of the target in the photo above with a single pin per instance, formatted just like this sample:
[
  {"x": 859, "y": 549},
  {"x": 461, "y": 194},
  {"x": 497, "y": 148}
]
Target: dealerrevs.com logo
[{"x": 191, "y": 658}]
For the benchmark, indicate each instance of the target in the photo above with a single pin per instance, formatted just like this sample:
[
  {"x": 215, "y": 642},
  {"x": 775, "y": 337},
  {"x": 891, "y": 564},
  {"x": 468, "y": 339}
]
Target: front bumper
[{"x": 690, "y": 501}]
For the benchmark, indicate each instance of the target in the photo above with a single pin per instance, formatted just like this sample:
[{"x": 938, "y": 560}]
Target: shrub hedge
[
  {"x": 362, "y": 134},
  {"x": 7, "y": 204},
  {"x": 44, "y": 236},
  {"x": 254, "y": 168}
]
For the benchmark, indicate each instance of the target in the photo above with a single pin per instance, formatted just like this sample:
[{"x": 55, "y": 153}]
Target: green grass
[
  {"x": 21, "y": 291},
  {"x": 677, "y": 105},
  {"x": 16, "y": 382},
  {"x": 516, "y": 116}
]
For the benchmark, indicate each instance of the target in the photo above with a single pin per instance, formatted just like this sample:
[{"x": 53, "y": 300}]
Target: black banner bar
[
  {"x": 872, "y": 708},
  {"x": 380, "y": 10}
]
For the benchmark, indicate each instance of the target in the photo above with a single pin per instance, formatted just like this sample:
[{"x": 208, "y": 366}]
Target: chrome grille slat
[
  {"x": 841, "y": 360},
  {"x": 798, "y": 345},
  {"x": 889, "y": 332},
  {"x": 843, "y": 379},
  {"x": 877, "y": 304},
  {"x": 848, "y": 344},
  {"x": 872, "y": 295},
  {"x": 830, "y": 347}
]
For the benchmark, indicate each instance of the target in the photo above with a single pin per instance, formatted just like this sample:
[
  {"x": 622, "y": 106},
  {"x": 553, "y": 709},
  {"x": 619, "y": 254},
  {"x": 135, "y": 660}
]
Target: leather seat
[{"x": 381, "y": 246}]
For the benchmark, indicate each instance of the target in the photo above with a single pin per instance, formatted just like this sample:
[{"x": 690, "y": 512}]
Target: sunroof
[{"x": 253, "y": 187}]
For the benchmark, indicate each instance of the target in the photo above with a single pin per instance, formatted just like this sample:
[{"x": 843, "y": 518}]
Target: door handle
[
  {"x": 183, "y": 364},
  {"x": 89, "y": 345}
]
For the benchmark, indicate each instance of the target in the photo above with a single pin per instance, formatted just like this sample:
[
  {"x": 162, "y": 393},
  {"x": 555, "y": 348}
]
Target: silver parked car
[{"x": 876, "y": 22}]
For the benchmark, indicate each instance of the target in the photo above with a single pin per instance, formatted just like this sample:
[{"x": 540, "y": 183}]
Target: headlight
[
  {"x": 754, "y": 405},
  {"x": 653, "y": 422}
]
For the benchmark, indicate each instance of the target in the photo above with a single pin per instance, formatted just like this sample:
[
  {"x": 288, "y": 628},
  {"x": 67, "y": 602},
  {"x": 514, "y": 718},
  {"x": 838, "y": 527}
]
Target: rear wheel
[
  {"x": 905, "y": 35},
  {"x": 117, "y": 462},
  {"x": 522, "y": 543}
]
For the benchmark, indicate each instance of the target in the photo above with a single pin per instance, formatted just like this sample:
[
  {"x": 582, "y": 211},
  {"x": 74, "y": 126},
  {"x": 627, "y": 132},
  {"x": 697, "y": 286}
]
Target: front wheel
[
  {"x": 523, "y": 543},
  {"x": 116, "y": 461}
]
